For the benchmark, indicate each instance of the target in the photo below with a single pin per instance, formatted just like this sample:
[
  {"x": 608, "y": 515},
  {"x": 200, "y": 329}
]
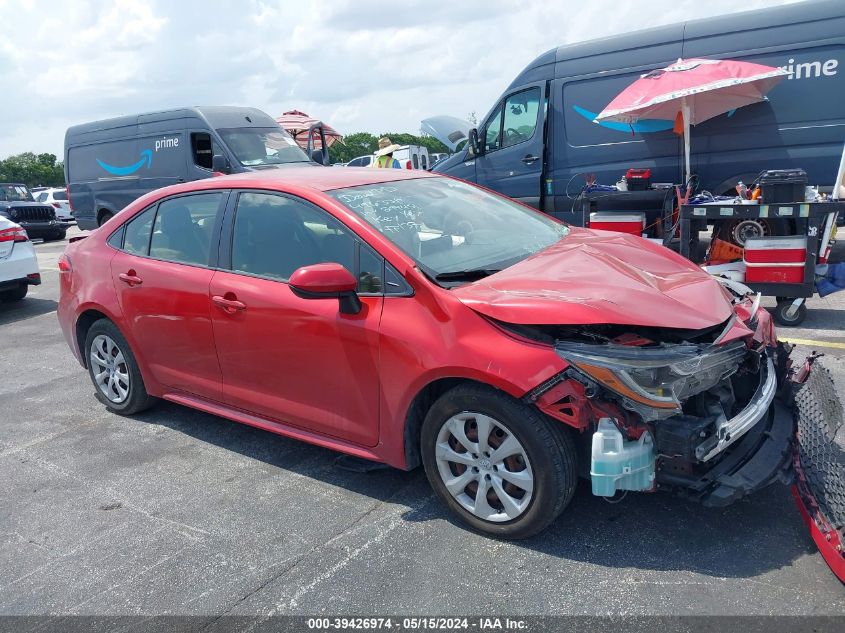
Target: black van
[
  {"x": 110, "y": 163},
  {"x": 539, "y": 139}
]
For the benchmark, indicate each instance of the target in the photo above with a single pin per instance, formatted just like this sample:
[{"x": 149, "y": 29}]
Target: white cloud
[{"x": 359, "y": 65}]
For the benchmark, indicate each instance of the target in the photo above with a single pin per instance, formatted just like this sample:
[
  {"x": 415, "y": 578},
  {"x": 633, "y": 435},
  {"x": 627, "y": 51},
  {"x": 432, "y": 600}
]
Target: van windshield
[{"x": 254, "y": 147}]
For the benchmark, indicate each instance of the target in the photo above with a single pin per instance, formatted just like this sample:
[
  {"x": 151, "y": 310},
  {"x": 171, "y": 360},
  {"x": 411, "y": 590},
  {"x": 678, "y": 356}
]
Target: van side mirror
[
  {"x": 474, "y": 147},
  {"x": 220, "y": 165},
  {"x": 320, "y": 156}
]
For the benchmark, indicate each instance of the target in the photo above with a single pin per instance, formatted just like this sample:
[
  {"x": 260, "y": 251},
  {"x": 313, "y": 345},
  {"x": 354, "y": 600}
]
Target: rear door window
[
  {"x": 138, "y": 231},
  {"x": 183, "y": 228}
]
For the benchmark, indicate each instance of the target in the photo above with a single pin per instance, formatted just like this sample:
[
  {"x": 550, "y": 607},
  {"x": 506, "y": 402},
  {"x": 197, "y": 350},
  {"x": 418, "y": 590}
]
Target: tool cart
[{"x": 783, "y": 267}]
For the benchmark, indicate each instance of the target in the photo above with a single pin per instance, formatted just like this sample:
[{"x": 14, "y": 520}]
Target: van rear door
[{"x": 512, "y": 143}]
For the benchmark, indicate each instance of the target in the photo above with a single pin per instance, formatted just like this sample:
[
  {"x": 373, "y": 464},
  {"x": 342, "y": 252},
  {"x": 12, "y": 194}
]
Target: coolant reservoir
[{"x": 618, "y": 464}]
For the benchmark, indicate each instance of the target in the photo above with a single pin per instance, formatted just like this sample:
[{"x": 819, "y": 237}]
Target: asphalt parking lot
[{"x": 179, "y": 512}]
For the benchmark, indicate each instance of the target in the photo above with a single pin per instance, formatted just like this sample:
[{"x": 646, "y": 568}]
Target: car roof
[{"x": 320, "y": 178}]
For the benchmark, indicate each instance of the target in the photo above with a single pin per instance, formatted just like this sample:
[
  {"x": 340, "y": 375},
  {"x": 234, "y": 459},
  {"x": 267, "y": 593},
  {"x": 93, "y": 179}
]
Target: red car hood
[{"x": 592, "y": 277}]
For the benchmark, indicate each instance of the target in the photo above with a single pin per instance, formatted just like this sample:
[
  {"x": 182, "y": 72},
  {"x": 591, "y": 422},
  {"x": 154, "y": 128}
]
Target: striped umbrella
[{"x": 297, "y": 125}]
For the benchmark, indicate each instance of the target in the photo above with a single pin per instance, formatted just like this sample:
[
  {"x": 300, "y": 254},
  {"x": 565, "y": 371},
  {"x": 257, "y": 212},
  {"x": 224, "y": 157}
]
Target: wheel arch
[
  {"x": 83, "y": 323},
  {"x": 418, "y": 409}
]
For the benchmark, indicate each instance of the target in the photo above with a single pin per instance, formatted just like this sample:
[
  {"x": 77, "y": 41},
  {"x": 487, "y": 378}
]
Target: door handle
[
  {"x": 130, "y": 278},
  {"x": 528, "y": 159},
  {"x": 230, "y": 306}
]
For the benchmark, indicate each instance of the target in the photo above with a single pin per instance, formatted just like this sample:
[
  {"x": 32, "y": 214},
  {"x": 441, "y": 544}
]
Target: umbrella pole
[{"x": 685, "y": 114}]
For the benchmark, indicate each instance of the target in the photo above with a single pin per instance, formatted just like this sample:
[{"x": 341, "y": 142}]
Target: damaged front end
[
  {"x": 714, "y": 403},
  {"x": 712, "y": 415}
]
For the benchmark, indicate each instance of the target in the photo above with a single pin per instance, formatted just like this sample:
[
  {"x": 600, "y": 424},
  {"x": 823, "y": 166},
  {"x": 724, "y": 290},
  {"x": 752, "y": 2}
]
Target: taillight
[
  {"x": 64, "y": 264},
  {"x": 57, "y": 205},
  {"x": 15, "y": 234},
  {"x": 69, "y": 201}
]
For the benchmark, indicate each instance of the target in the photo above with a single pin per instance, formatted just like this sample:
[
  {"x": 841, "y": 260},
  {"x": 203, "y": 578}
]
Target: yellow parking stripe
[{"x": 812, "y": 343}]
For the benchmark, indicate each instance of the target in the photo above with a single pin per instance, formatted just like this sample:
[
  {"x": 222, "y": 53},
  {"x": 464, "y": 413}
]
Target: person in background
[{"x": 384, "y": 155}]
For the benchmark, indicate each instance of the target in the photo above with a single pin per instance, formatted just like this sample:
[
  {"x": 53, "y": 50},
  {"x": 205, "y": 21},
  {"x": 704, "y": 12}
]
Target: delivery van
[
  {"x": 110, "y": 163},
  {"x": 539, "y": 140}
]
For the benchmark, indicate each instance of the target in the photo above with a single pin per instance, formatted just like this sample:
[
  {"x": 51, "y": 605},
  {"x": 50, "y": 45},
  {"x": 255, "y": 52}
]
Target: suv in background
[
  {"x": 58, "y": 199},
  {"x": 38, "y": 219}
]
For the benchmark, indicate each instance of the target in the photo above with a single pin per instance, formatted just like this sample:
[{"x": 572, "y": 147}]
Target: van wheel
[
  {"x": 496, "y": 463},
  {"x": 104, "y": 217},
  {"x": 114, "y": 371}
]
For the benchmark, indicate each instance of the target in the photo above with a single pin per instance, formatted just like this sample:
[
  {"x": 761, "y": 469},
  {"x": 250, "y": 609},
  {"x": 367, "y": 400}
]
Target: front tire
[
  {"x": 114, "y": 371},
  {"x": 59, "y": 235},
  {"x": 498, "y": 464}
]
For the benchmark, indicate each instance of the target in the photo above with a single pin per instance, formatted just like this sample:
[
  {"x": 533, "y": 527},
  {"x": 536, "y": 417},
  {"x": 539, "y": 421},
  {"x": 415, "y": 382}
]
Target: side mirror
[
  {"x": 327, "y": 281},
  {"x": 320, "y": 156},
  {"x": 474, "y": 146},
  {"x": 220, "y": 165}
]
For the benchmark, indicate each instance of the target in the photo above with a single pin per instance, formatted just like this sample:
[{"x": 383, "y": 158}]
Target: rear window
[{"x": 60, "y": 194}]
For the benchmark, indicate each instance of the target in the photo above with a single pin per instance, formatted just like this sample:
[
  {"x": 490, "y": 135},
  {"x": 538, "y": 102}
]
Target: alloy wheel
[
  {"x": 109, "y": 369},
  {"x": 484, "y": 467}
]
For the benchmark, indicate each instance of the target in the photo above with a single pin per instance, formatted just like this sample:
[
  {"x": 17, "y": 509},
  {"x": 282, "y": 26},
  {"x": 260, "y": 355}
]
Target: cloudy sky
[{"x": 360, "y": 65}]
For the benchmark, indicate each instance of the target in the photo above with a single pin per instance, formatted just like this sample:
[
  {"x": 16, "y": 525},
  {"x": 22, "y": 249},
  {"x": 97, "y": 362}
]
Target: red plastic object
[
  {"x": 323, "y": 279},
  {"x": 630, "y": 223},
  {"x": 775, "y": 259}
]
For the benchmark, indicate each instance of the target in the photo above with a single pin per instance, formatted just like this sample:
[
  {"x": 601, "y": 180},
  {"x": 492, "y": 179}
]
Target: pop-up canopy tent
[{"x": 695, "y": 90}]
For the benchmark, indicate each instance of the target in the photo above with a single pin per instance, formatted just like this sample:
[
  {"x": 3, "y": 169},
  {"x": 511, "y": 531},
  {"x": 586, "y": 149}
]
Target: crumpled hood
[{"x": 593, "y": 277}]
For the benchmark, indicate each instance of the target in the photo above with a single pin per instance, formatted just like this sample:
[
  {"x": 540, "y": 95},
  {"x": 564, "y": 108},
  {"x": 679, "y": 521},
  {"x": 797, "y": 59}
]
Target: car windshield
[
  {"x": 255, "y": 147},
  {"x": 15, "y": 193},
  {"x": 454, "y": 231}
]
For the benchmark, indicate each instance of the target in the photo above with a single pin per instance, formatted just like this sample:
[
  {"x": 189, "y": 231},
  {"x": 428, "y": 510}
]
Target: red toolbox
[
  {"x": 775, "y": 259},
  {"x": 631, "y": 223}
]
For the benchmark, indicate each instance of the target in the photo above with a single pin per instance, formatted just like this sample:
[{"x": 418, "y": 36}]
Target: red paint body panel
[
  {"x": 592, "y": 277},
  {"x": 827, "y": 548},
  {"x": 169, "y": 316},
  {"x": 299, "y": 361},
  {"x": 299, "y": 367}
]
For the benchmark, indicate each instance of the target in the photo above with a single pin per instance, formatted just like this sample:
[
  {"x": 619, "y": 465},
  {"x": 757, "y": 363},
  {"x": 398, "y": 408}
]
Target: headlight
[{"x": 654, "y": 381}]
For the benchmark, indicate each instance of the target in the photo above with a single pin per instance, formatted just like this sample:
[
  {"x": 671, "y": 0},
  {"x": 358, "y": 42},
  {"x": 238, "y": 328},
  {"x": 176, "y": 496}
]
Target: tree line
[
  {"x": 45, "y": 170},
  {"x": 363, "y": 143},
  {"x": 33, "y": 170}
]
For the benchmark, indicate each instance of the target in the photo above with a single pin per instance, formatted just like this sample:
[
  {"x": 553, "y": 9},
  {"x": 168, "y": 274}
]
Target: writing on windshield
[{"x": 448, "y": 226}]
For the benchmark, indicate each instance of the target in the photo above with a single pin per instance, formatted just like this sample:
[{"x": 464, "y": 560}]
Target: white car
[
  {"x": 18, "y": 263},
  {"x": 57, "y": 197}
]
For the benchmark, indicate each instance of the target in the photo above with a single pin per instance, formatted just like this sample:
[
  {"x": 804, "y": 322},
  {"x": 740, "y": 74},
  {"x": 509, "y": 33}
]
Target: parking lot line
[{"x": 812, "y": 343}]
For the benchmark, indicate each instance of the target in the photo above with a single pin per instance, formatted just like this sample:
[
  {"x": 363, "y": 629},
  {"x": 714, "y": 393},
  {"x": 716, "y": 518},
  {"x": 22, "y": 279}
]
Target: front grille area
[{"x": 32, "y": 214}]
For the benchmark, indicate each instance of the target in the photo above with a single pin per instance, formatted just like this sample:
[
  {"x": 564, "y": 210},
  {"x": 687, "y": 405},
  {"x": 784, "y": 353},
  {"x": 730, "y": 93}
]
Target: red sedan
[{"x": 412, "y": 319}]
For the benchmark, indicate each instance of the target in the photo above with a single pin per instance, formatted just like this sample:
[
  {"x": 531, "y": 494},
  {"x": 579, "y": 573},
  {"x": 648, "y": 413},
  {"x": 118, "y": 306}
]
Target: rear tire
[
  {"x": 15, "y": 294},
  {"x": 525, "y": 486},
  {"x": 114, "y": 371},
  {"x": 104, "y": 217}
]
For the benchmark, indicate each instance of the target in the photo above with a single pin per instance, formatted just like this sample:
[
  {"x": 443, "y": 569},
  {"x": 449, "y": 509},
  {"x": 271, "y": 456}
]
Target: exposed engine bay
[
  {"x": 712, "y": 414},
  {"x": 694, "y": 412}
]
